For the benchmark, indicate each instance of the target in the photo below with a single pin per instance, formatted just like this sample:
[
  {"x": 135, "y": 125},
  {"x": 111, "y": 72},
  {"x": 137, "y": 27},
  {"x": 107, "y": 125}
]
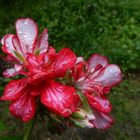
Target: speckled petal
[{"x": 59, "y": 98}]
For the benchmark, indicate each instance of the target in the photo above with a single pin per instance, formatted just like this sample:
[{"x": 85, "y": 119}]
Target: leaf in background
[
  {"x": 11, "y": 138},
  {"x": 2, "y": 126}
]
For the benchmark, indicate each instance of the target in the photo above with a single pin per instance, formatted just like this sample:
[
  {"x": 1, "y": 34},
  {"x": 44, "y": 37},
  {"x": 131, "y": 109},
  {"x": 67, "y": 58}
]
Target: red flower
[
  {"x": 99, "y": 76},
  {"x": 23, "y": 104},
  {"x": 17, "y": 47},
  {"x": 57, "y": 80},
  {"x": 41, "y": 65},
  {"x": 94, "y": 79},
  {"x": 50, "y": 65}
]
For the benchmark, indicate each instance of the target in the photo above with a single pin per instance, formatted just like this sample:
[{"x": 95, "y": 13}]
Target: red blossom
[
  {"x": 97, "y": 76},
  {"x": 19, "y": 46},
  {"x": 41, "y": 65},
  {"x": 56, "y": 80},
  {"x": 94, "y": 79}
]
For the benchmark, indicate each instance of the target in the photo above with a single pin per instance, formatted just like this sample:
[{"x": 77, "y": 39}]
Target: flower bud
[{"x": 82, "y": 118}]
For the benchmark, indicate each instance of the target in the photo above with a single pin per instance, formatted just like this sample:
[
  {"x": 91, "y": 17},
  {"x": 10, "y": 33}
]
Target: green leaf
[{"x": 2, "y": 126}]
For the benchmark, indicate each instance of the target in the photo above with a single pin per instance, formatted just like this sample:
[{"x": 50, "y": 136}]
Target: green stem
[{"x": 29, "y": 129}]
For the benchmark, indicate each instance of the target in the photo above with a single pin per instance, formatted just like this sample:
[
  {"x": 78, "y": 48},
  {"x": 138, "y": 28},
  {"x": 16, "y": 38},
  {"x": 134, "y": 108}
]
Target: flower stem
[{"x": 29, "y": 129}]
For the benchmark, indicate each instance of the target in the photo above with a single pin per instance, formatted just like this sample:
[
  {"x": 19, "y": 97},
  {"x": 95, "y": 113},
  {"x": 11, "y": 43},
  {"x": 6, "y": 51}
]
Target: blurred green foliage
[{"x": 107, "y": 27}]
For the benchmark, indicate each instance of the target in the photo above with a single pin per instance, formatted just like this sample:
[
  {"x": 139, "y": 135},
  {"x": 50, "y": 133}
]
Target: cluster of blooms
[{"x": 65, "y": 84}]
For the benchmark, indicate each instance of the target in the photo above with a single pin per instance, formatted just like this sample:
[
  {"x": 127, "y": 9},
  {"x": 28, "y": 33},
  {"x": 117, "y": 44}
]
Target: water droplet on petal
[
  {"x": 110, "y": 70},
  {"x": 20, "y": 32},
  {"x": 7, "y": 44},
  {"x": 19, "y": 107},
  {"x": 116, "y": 74},
  {"x": 60, "y": 98},
  {"x": 25, "y": 22},
  {"x": 49, "y": 99}
]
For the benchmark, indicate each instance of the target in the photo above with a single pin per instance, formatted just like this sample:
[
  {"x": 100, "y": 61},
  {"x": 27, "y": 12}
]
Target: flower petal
[
  {"x": 60, "y": 98},
  {"x": 17, "y": 45},
  {"x": 42, "y": 43},
  {"x": 2, "y": 40},
  {"x": 80, "y": 60},
  {"x": 8, "y": 46},
  {"x": 95, "y": 60},
  {"x": 101, "y": 104},
  {"x": 109, "y": 76},
  {"x": 14, "y": 89},
  {"x": 24, "y": 107},
  {"x": 32, "y": 60},
  {"x": 27, "y": 33},
  {"x": 101, "y": 121},
  {"x": 65, "y": 60},
  {"x": 78, "y": 71},
  {"x": 51, "y": 52},
  {"x": 12, "y": 71}
]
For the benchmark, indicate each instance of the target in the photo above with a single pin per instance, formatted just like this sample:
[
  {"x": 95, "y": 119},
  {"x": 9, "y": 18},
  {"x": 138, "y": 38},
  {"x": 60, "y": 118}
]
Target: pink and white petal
[
  {"x": 14, "y": 89},
  {"x": 101, "y": 104},
  {"x": 17, "y": 67},
  {"x": 95, "y": 72},
  {"x": 27, "y": 32},
  {"x": 10, "y": 59},
  {"x": 13, "y": 71},
  {"x": 80, "y": 60},
  {"x": 24, "y": 107},
  {"x": 34, "y": 64},
  {"x": 2, "y": 40},
  {"x": 95, "y": 60},
  {"x": 17, "y": 45},
  {"x": 101, "y": 121},
  {"x": 32, "y": 60},
  {"x": 51, "y": 51},
  {"x": 8, "y": 46},
  {"x": 50, "y": 57},
  {"x": 78, "y": 72},
  {"x": 109, "y": 76},
  {"x": 65, "y": 60},
  {"x": 10, "y": 73},
  {"x": 59, "y": 98},
  {"x": 42, "y": 44}
]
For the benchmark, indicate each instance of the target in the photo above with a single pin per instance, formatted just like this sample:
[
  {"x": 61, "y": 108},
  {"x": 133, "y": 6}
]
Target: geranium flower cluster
[{"x": 66, "y": 85}]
